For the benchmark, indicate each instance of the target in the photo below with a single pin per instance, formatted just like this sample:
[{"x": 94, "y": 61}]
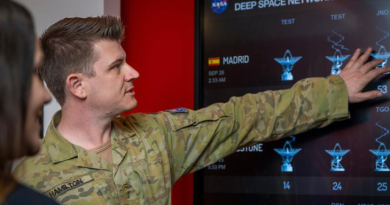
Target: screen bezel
[{"x": 198, "y": 89}]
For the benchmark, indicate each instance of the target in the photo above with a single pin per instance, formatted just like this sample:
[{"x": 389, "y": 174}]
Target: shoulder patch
[
  {"x": 63, "y": 188},
  {"x": 178, "y": 110}
]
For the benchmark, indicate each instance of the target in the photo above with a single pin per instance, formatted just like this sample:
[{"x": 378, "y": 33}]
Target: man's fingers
[
  {"x": 375, "y": 73},
  {"x": 370, "y": 65},
  {"x": 369, "y": 95},
  {"x": 354, "y": 57},
  {"x": 362, "y": 59}
]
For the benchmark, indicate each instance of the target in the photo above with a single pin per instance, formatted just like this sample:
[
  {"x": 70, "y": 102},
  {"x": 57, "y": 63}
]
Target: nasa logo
[{"x": 219, "y": 6}]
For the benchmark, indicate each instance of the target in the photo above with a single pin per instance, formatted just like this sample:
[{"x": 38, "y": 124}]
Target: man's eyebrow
[{"x": 119, "y": 60}]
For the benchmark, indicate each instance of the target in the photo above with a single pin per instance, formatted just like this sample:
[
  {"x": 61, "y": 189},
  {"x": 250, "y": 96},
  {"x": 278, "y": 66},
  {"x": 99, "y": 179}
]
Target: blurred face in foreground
[{"x": 37, "y": 98}]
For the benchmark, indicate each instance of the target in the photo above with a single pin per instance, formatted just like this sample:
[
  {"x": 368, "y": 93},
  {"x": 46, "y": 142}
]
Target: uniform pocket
[
  {"x": 144, "y": 181},
  {"x": 107, "y": 191},
  {"x": 130, "y": 191}
]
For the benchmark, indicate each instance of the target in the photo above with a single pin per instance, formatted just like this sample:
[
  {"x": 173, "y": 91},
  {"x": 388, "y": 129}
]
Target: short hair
[
  {"x": 17, "y": 50},
  {"x": 68, "y": 48}
]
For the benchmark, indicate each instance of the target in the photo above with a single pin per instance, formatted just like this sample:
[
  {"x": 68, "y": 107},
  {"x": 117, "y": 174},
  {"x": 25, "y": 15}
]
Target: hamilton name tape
[{"x": 63, "y": 188}]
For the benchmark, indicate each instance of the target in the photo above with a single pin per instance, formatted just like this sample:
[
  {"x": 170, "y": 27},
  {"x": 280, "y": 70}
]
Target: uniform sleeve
[{"x": 196, "y": 139}]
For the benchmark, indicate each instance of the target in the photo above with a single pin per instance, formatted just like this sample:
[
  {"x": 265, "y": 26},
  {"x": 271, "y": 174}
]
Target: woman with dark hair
[{"x": 22, "y": 96}]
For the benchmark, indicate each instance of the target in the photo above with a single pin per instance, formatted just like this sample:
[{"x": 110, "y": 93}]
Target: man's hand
[{"x": 357, "y": 74}]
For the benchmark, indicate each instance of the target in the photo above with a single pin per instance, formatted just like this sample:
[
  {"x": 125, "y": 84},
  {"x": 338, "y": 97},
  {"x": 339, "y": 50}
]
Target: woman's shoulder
[{"x": 24, "y": 195}]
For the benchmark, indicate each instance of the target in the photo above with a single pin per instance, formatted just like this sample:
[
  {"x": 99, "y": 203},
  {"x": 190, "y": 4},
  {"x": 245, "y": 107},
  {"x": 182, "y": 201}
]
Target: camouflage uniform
[{"x": 152, "y": 151}]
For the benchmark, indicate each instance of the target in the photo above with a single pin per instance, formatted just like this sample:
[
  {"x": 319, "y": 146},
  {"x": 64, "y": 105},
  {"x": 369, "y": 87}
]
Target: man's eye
[{"x": 117, "y": 66}]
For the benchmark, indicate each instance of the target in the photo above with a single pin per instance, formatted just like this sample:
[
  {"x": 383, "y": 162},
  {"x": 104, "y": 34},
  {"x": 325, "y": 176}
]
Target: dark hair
[
  {"x": 17, "y": 49},
  {"x": 68, "y": 48}
]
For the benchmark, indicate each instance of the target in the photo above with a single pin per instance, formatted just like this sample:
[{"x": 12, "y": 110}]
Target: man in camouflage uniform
[{"x": 85, "y": 68}]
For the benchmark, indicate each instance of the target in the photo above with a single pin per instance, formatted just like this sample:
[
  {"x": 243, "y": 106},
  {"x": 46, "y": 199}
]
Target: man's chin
[
  {"x": 129, "y": 108},
  {"x": 132, "y": 106}
]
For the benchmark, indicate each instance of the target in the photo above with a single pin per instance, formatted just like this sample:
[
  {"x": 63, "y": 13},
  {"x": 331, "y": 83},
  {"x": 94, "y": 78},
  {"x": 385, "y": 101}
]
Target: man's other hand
[{"x": 357, "y": 74}]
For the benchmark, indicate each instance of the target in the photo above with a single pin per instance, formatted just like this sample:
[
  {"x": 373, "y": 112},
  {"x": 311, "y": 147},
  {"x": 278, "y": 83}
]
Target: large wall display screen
[{"x": 254, "y": 46}]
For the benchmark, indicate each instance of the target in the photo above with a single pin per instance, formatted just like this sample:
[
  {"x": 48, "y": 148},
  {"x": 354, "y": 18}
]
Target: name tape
[{"x": 63, "y": 188}]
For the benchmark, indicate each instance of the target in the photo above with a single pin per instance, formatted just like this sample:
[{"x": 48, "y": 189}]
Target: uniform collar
[
  {"x": 61, "y": 149},
  {"x": 120, "y": 135},
  {"x": 122, "y": 128},
  {"x": 58, "y": 147}
]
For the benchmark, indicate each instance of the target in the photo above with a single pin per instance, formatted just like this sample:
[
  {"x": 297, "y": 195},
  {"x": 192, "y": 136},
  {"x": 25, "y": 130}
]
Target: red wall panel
[{"x": 159, "y": 44}]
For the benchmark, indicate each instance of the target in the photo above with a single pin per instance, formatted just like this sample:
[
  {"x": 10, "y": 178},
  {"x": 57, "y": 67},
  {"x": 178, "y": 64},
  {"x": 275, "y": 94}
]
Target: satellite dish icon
[
  {"x": 381, "y": 54},
  {"x": 381, "y": 156},
  {"x": 287, "y": 154},
  {"x": 337, "y": 59},
  {"x": 337, "y": 153},
  {"x": 287, "y": 63}
]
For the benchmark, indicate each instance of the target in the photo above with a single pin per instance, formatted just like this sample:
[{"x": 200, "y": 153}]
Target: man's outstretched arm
[{"x": 198, "y": 138}]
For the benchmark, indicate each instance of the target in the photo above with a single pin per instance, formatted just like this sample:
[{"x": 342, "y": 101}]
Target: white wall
[{"x": 47, "y": 12}]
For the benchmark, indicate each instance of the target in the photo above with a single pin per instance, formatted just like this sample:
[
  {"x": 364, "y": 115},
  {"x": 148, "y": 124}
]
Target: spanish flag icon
[{"x": 214, "y": 61}]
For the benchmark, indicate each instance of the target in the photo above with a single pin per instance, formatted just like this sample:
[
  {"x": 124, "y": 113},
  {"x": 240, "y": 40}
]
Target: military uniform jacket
[{"x": 152, "y": 151}]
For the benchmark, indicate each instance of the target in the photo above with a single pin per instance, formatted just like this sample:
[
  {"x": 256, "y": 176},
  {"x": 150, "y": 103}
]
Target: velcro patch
[
  {"x": 178, "y": 110},
  {"x": 63, "y": 188}
]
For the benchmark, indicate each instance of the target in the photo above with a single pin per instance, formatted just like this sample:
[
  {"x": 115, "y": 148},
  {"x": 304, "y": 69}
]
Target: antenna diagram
[
  {"x": 338, "y": 58},
  {"x": 382, "y": 53},
  {"x": 287, "y": 154},
  {"x": 337, "y": 153},
  {"x": 381, "y": 153},
  {"x": 287, "y": 63}
]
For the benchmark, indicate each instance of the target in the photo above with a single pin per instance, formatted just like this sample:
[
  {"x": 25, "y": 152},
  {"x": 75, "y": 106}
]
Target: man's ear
[{"x": 74, "y": 83}]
